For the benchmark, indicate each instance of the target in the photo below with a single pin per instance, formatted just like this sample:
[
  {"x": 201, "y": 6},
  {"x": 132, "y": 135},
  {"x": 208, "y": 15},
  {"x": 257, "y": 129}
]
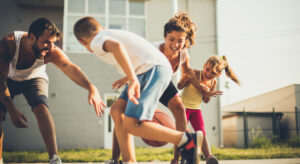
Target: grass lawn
[{"x": 150, "y": 154}]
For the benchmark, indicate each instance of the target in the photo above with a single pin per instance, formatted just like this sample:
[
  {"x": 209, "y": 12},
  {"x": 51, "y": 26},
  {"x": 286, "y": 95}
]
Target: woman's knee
[{"x": 176, "y": 106}]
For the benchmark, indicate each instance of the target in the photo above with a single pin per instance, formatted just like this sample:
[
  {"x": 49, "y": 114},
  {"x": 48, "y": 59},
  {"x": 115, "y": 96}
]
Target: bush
[
  {"x": 294, "y": 141},
  {"x": 258, "y": 140}
]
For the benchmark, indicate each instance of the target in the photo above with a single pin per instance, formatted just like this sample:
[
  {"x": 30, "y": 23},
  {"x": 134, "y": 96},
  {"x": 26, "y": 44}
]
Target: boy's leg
[
  {"x": 125, "y": 140},
  {"x": 150, "y": 130}
]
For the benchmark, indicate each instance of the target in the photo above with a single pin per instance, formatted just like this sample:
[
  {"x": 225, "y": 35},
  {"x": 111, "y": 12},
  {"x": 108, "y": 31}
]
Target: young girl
[{"x": 192, "y": 98}]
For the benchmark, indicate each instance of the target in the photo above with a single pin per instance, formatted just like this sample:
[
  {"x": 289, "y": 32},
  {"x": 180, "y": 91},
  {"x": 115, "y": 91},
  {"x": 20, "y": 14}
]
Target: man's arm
[
  {"x": 72, "y": 71},
  {"x": 123, "y": 60},
  {"x": 5, "y": 57}
]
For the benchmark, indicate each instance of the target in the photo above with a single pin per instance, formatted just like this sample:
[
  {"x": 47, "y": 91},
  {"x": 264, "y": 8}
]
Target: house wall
[
  {"x": 233, "y": 129},
  {"x": 282, "y": 100},
  {"x": 76, "y": 123},
  {"x": 230, "y": 133}
]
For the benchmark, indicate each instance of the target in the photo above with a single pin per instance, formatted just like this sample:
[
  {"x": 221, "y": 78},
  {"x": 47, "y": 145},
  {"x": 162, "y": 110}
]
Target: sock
[{"x": 183, "y": 140}]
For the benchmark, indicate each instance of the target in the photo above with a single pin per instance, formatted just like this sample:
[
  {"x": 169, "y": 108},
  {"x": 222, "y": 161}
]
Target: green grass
[{"x": 151, "y": 154}]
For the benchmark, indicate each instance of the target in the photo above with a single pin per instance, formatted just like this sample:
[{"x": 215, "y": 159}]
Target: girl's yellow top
[{"x": 191, "y": 97}]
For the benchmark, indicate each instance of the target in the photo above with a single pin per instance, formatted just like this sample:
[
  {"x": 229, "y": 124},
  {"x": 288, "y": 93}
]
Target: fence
[{"x": 239, "y": 128}]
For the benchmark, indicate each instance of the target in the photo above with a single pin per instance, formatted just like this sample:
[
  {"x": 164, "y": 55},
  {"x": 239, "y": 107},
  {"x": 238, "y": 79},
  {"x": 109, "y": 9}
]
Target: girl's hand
[{"x": 214, "y": 93}]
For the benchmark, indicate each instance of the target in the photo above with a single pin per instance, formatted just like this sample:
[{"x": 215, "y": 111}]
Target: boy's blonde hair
[
  {"x": 220, "y": 63},
  {"x": 181, "y": 22},
  {"x": 86, "y": 27}
]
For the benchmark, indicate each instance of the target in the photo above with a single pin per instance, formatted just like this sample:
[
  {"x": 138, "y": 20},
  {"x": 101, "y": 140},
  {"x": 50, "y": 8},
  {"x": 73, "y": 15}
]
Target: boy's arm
[
  {"x": 18, "y": 119},
  {"x": 122, "y": 58},
  {"x": 72, "y": 71}
]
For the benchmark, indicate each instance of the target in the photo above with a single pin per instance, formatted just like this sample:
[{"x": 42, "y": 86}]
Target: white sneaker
[{"x": 55, "y": 160}]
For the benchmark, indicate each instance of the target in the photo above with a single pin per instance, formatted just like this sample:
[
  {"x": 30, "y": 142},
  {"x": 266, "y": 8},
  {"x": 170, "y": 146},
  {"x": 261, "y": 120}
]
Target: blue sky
[{"x": 261, "y": 39}]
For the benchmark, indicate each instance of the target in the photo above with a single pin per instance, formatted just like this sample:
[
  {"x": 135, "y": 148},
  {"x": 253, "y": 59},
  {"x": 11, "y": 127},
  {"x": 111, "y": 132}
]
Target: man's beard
[{"x": 38, "y": 52}]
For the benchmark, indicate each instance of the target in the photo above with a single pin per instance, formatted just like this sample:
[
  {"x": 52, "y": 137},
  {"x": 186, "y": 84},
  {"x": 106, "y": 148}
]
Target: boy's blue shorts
[{"x": 153, "y": 84}]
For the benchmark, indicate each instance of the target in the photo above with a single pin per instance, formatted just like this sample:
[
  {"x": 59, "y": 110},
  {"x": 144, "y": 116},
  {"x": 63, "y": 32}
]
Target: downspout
[
  {"x": 174, "y": 7},
  {"x": 221, "y": 144}
]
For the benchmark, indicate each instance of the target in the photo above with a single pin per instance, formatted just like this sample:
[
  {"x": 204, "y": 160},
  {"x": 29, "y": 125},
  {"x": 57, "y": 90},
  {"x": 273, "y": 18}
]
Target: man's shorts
[
  {"x": 153, "y": 83},
  {"x": 35, "y": 91}
]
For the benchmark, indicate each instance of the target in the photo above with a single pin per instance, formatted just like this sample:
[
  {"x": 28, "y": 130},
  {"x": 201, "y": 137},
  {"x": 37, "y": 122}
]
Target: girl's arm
[
  {"x": 186, "y": 68},
  {"x": 206, "y": 99}
]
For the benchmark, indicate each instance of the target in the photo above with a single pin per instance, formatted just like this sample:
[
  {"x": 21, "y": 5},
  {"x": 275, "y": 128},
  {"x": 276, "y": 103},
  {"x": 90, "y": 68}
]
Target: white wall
[{"x": 76, "y": 122}]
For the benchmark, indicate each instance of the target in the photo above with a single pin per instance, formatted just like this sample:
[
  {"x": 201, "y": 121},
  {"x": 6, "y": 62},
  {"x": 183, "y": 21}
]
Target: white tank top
[
  {"x": 182, "y": 57},
  {"x": 38, "y": 69}
]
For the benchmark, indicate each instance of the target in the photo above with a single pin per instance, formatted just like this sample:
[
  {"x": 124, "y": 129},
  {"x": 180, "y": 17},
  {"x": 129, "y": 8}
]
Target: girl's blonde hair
[
  {"x": 181, "y": 22},
  {"x": 220, "y": 63}
]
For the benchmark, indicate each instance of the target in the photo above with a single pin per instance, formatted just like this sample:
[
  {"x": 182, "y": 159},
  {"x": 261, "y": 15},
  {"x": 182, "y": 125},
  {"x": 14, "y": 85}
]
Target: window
[{"x": 115, "y": 14}]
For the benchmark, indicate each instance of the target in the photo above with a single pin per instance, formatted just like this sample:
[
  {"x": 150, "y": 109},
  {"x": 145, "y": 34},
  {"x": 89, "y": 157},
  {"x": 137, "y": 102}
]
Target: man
[{"x": 23, "y": 59}]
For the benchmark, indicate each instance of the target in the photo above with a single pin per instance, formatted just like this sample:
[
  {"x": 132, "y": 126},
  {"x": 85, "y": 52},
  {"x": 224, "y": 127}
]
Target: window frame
[{"x": 106, "y": 17}]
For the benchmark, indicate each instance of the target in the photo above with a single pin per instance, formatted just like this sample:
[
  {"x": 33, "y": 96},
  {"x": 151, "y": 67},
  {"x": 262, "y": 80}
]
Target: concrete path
[{"x": 256, "y": 161}]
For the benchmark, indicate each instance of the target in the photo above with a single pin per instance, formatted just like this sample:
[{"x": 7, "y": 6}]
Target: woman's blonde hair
[
  {"x": 219, "y": 63},
  {"x": 181, "y": 22}
]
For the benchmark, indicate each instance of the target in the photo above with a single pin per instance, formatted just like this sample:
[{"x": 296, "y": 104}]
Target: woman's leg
[{"x": 177, "y": 108}]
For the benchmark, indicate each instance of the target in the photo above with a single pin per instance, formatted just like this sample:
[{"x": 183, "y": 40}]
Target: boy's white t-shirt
[{"x": 143, "y": 55}]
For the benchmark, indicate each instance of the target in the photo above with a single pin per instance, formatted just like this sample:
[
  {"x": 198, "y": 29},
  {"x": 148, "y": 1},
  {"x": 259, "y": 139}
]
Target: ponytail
[{"x": 229, "y": 72}]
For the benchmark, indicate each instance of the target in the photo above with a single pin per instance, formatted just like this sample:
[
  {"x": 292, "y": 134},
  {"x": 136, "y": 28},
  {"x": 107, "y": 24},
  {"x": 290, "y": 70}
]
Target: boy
[{"x": 149, "y": 73}]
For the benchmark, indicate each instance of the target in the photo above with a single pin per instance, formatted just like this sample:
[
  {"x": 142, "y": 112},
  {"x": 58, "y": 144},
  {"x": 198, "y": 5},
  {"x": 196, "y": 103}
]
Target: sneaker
[
  {"x": 112, "y": 161},
  {"x": 212, "y": 160},
  {"x": 174, "y": 161},
  {"x": 55, "y": 160},
  {"x": 191, "y": 150}
]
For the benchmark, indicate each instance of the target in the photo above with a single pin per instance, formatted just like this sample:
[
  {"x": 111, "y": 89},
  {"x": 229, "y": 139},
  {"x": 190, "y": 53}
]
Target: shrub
[
  {"x": 294, "y": 141},
  {"x": 258, "y": 140}
]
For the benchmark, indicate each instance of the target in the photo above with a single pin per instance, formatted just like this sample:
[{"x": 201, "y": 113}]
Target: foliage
[{"x": 150, "y": 154}]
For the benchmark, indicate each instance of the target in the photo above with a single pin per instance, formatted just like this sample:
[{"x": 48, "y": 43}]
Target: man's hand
[
  {"x": 95, "y": 99},
  {"x": 134, "y": 91},
  {"x": 119, "y": 83},
  {"x": 18, "y": 119}
]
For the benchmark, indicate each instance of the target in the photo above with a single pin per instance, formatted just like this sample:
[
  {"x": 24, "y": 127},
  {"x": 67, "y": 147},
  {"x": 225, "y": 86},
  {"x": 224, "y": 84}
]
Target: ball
[{"x": 160, "y": 117}]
